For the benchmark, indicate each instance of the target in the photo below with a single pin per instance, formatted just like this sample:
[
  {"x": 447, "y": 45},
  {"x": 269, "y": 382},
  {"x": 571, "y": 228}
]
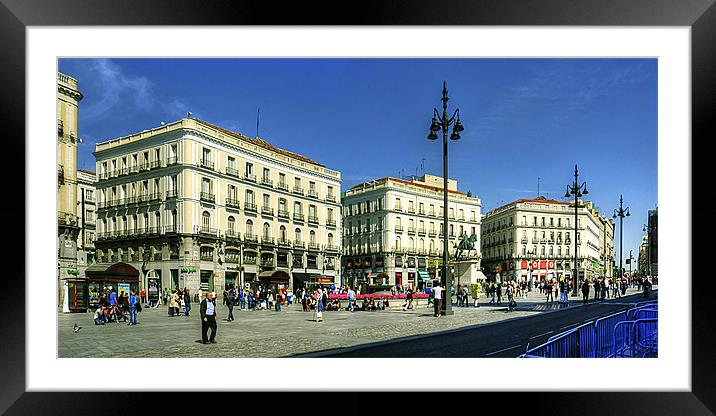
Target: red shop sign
[
  {"x": 543, "y": 264},
  {"x": 524, "y": 265},
  {"x": 550, "y": 264},
  {"x": 535, "y": 264}
]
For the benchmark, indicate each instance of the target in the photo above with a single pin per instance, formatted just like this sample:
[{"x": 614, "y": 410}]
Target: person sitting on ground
[{"x": 99, "y": 317}]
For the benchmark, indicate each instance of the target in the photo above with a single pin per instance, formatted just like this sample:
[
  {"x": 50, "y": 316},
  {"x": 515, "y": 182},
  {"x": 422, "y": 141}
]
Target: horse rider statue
[{"x": 466, "y": 244}]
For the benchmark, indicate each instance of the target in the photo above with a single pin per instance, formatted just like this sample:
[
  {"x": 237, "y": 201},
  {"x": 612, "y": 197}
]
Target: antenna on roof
[
  {"x": 422, "y": 166},
  {"x": 538, "y": 179},
  {"x": 258, "y": 115}
]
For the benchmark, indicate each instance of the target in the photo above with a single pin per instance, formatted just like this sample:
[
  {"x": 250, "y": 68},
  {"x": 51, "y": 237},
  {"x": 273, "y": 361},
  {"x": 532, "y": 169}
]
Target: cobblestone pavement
[{"x": 267, "y": 333}]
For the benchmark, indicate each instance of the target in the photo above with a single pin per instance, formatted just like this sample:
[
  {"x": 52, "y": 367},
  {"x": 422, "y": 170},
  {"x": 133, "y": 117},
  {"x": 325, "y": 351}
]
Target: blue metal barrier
[
  {"x": 631, "y": 333},
  {"x": 604, "y": 331}
]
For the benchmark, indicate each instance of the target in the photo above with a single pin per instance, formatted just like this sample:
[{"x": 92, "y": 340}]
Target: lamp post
[
  {"x": 621, "y": 213},
  {"x": 442, "y": 123},
  {"x": 577, "y": 190}
]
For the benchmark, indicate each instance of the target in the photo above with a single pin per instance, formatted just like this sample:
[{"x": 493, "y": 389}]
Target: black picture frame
[{"x": 699, "y": 15}]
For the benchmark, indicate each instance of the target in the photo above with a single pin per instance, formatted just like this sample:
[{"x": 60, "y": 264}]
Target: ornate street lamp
[
  {"x": 442, "y": 123},
  {"x": 621, "y": 213},
  {"x": 578, "y": 191}
]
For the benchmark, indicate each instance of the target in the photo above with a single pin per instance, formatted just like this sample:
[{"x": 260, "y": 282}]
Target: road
[{"x": 502, "y": 339}]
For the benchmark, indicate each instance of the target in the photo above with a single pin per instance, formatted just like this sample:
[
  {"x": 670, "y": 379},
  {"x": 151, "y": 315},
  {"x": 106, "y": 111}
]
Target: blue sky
[{"x": 368, "y": 118}]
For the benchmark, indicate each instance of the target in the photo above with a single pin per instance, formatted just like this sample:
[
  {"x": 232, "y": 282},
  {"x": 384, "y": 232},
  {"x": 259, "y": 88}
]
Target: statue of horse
[{"x": 466, "y": 244}]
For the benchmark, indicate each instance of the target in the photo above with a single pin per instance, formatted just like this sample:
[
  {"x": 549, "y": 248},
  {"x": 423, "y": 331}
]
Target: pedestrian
[
  {"x": 548, "y": 291},
  {"x": 143, "y": 296},
  {"x": 408, "y": 300},
  {"x": 319, "y": 305},
  {"x": 279, "y": 301},
  {"x": 99, "y": 316},
  {"x": 498, "y": 290},
  {"x": 208, "y": 319},
  {"x": 459, "y": 296},
  {"x": 604, "y": 288},
  {"x": 351, "y": 299},
  {"x": 438, "y": 296},
  {"x": 229, "y": 301},
  {"x": 596, "y": 289},
  {"x": 187, "y": 302},
  {"x": 133, "y": 301},
  {"x": 585, "y": 291},
  {"x": 476, "y": 295},
  {"x": 465, "y": 297}
]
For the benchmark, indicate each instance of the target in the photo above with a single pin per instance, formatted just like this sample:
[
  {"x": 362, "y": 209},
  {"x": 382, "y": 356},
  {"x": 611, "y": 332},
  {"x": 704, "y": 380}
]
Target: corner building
[
  {"x": 533, "y": 239},
  {"x": 393, "y": 230},
  {"x": 190, "y": 204}
]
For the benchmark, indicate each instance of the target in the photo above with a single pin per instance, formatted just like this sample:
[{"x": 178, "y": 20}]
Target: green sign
[
  {"x": 596, "y": 264},
  {"x": 188, "y": 270},
  {"x": 73, "y": 272}
]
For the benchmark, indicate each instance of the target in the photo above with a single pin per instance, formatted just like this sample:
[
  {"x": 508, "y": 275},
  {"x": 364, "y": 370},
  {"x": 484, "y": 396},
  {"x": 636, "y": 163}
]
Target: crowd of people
[{"x": 118, "y": 308}]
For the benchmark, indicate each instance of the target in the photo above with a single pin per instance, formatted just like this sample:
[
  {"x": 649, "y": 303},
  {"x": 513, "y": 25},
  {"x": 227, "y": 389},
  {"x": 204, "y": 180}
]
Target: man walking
[
  {"x": 438, "y": 297},
  {"x": 187, "y": 302},
  {"x": 230, "y": 304},
  {"x": 351, "y": 299},
  {"x": 465, "y": 296},
  {"x": 208, "y": 319},
  {"x": 133, "y": 301}
]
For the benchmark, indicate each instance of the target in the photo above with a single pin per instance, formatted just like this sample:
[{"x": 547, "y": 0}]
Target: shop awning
[
  {"x": 274, "y": 276},
  {"x": 423, "y": 274},
  {"x": 117, "y": 272}
]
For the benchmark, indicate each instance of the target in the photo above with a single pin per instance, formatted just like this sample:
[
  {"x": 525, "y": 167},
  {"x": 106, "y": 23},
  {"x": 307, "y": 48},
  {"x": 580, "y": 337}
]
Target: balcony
[
  {"x": 153, "y": 165},
  {"x": 411, "y": 250},
  {"x": 298, "y": 244},
  {"x": 297, "y": 216},
  {"x": 251, "y": 238},
  {"x": 207, "y": 164},
  {"x": 232, "y": 172},
  {"x": 156, "y": 196},
  {"x": 298, "y": 190},
  {"x": 432, "y": 233},
  {"x": 398, "y": 208},
  {"x": 123, "y": 171},
  {"x": 284, "y": 214},
  {"x": 313, "y": 246},
  {"x": 312, "y": 219},
  {"x": 399, "y": 228},
  {"x": 331, "y": 198},
  {"x": 171, "y": 194},
  {"x": 523, "y": 240},
  {"x": 172, "y": 161},
  {"x": 134, "y": 169},
  {"x": 421, "y": 231},
  {"x": 282, "y": 242},
  {"x": 170, "y": 229},
  {"x": 312, "y": 193},
  {"x": 250, "y": 207},
  {"x": 143, "y": 167},
  {"x": 206, "y": 196},
  {"x": 206, "y": 231},
  {"x": 411, "y": 230},
  {"x": 267, "y": 262},
  {"x": 268, "y": 211},
  {"x": 250, "y": 177},
  {"x": 282, "y": 186},
  {"x": 411, "y": 210},
  {"x": 232, "y": 235},
  {"x": 331, "y": 223},
  {"x": 332, "y": 248},
  {"x": 266, "y": 240},
  {"x": 267, "y": 182},
  {"x": 250, "y": 260},
  {"x": 233, "y": 203}
]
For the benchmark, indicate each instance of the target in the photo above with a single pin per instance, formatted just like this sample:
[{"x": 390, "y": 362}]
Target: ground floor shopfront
[{"x": 534, "y": 271}]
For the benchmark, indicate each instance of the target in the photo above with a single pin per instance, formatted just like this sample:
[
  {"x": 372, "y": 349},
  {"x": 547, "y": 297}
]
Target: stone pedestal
[{"x": 468, "y": 272}]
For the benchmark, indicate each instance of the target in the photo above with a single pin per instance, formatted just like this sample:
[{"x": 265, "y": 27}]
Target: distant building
[
  {"x": 68, "y": 99},
  {"x": 393, "y": 230},
  {"x": 533, "y": 239},
  {"x": 653, "y": 234},
  {"x": 643, "y": 259},
  {"x": 86, "y": 219}
]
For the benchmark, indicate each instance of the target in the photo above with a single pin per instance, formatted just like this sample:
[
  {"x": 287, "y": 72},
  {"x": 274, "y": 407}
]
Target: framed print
[{"x": 273, "y": 187}]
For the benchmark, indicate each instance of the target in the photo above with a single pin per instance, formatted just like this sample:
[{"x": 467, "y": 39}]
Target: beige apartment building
[
  {"x": 533, "y": 239},
  {"x": 190, "y": 204},
  {"x": 393, "y": 230},
  {"x": 68, "y": 99},
  {"x": 86, "y": 219}
]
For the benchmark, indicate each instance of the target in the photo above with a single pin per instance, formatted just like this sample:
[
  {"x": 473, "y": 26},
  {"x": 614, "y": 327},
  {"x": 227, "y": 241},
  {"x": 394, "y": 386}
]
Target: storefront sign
[
  {"x": 535, "y": 264},
  {"x": 523, "y": 265},
  {"x": 550, "y": 264},
  {"x": 543, "y": 264}
]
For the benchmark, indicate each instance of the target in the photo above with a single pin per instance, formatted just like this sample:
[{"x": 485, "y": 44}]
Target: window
[
  {"x": 231, "y": 225},
  {"x": 205, "y": 221},
  {"x": 543, "y": 250},
  {"x": 249, "y": 227},
  {"x": 567, "y": 251},
  {"x": 312, "y": 237},
  {"x": 282, "y": 233},
  {"x": 205, "y": 185},
  {"x": 89, "y": 215},
  {"x": 174, "y": 183},
  {"x": 156, "y": 186},
  {"x": 267, "y": 201},
  {"x": 249, "y": 169},
  {"x": 297, "y": 208},
  {"x": 249, "y": 197},
  {"x": 524, "y": 250},
  {"x": 205, "y": 156},
  {"x": 267, "y": 174},
  {"x": 157, "y": 219},
  {"x": 267, "y": 231},
  {"x": 559, "y": 222},
  {"x": 330, "y": 214},
  {"x": 312, "y": 187},
  {"x": 421, "y": 207},
  {"x": 231, "y": 164},
  {"x": 397, "y": 203},
  {"x": 397, "y": 243},
  {"x": 282, "y": 205},
  {"x": 534, "y": 221},
  {"x": 551, "y": 222},
  {"x": 297, "y": 183},
  {"x": 174, "y": 217},
  {"x": 156, "y": 156},
  {"x": 298, "y": 234},
  {"x": 173, "y": 152},
  {"x": 282, "y": 179},
  {"x": 330, "y": 239}
]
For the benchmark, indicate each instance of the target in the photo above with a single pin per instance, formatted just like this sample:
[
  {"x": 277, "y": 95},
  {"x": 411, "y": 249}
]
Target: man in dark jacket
[
  {"x": 208, "y": 319},
  {"x": 585, "y": 291},
  {"x": 230, "y": 299}
]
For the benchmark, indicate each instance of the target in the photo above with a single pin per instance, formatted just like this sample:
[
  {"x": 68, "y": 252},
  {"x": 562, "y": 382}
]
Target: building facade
[
  {"x": 190, "y": 204},
  {"x": 533, "y": 239},
  {"x": 643, "y": 258},
  {"x": 653, "y": 234},
  {"x": 86, "y": 219},
  {"x": 393, "y": 230},
  {"x": 68, "y": 99},
  {"x": 606, "y": 242}
]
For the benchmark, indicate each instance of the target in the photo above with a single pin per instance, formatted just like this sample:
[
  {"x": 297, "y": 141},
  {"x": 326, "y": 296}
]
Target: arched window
[
  {"x": 267, "y": 231},
  {"x": 422, "y": 244},
  {"x": 205, "y": 221},
  {"x": 432, "y": 245},
  {"x": 282, "y": 205},
  {"x": 397, "y": 243},
  {"x": 312, "y": 237},
  {"x": 330, "y": 239},
  {"x": 298, "y": 235},
  {"x": 282, "y": 233},
  {"x": 249, "y": 227},
  {"x": 174, "y": 217},
  {"x": 146, "y": 221},
  {"x": 135, "y": 224},
  {"x": 231, "y": 225},
  {"x": 411, "y": 242},
  {"x": 158, "y": 220}
]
